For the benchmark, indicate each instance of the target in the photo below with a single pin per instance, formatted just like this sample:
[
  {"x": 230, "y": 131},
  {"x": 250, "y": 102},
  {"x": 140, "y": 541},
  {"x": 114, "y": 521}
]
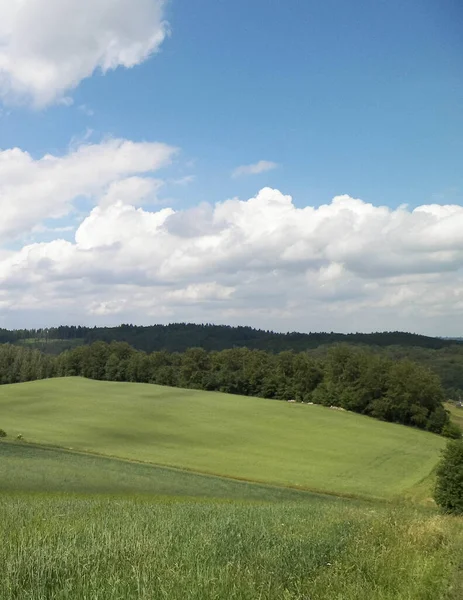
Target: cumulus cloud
[
  {"x": 47, "y": 47},
  {"x": 132, "y": 190},
  {"x": 259, "y": 167},
  {"x": 35, "y": 189},
  {"x": 346, "y": 265}
]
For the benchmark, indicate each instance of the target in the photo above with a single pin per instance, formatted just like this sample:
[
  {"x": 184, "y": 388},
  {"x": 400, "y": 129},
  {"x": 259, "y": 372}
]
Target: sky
[{"x": 295, "y": 166}]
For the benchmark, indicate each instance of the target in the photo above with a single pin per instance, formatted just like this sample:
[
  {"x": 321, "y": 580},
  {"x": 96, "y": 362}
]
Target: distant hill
[{"x": 177, "y": 337}]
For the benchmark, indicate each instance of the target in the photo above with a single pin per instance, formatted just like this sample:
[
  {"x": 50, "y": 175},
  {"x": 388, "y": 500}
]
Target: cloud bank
[
  {"x": 346, "y": 265},
  {"x": 47, "y": 47},
  {"x": 33, "y": 190}
]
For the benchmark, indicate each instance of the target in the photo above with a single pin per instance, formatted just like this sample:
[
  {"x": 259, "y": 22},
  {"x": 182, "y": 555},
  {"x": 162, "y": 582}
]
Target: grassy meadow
[
  {"x": 39, "y": 469},
  {"x": 63, "y": 547},
  {"x": 266, "y": 441},
  {"x": 90, "y": 511},
  {"x": 456, "y": 413}
]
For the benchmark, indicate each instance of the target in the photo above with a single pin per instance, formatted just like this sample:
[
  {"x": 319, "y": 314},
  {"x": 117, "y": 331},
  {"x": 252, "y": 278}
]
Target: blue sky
[
  {"x": 360, "y": 98},
  {"x": 356, "y": 98}
]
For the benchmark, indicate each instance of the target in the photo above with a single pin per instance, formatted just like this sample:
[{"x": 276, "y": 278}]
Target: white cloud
[
  {"x": 86, "y": 110},
  {"x": 346, "y": 265},
  {"x": 259, "y": 167},
  {"x": 47, "y": 47},
  {"x": 200, "y": 292},
  {"x": 33, "y": 190},
  {"x": 66, "y": 101},
  {"x": 184, "y": 180},
  {"x": 132, "y": 190}
]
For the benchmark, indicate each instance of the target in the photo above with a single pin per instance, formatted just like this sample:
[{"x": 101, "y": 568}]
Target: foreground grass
[
  {"x": 56, "y": 548},
  {"x": 35, "y": 469},
  {"x": 250, "y": 438}
]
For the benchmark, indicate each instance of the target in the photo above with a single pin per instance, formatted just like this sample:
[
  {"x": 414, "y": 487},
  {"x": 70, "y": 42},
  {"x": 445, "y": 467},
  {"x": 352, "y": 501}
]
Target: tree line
[
  {"x": 347, "y": 377},
  {"x": 178, "y": 337},
  {"x": 443, "y": 356}
]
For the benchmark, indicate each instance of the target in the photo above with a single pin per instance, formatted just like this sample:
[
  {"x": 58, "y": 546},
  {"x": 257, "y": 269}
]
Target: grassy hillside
[
  {"x": 141, "y": 531},
  {"x": 261, "y": 440},
  {"x": 456, "y": 413},
  {"x": 28, "y": 468}
]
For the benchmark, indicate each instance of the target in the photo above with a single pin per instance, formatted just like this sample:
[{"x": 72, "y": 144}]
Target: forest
[
  {"x": 178, "y": 337},
  {"x": 343, "y": 376},
  {"x": 443, "y": 356}
]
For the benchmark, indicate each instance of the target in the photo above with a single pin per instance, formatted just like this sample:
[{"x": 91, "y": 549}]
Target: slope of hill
[
  {"x": 29, "y": 468},
  {"x": 456, "y": 413},
  {"x": 310, "y": 447}
]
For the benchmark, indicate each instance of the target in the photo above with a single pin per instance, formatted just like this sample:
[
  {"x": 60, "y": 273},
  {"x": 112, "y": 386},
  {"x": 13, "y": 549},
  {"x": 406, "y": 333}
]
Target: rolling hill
[{"x": 307, "y": 447}]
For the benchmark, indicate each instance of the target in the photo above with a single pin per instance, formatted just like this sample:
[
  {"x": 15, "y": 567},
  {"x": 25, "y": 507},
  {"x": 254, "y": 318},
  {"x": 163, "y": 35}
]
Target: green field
[
  {"x": 63, "y": 548},
  {"x": 88, "y": 511},
  {"x": 36, "y": 469},
  {"x": 310, "y": 447},
  {"x": 456, "y": 413}
]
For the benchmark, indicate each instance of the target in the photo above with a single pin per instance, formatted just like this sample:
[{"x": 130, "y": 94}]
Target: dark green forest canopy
[
  {"x": 343, "y": 376},
  {"x": 443, "y": 356},
  {"x": 178, "y": 337}
]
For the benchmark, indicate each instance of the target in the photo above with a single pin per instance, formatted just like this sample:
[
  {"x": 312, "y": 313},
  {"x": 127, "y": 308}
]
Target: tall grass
[{"x": 64, "y": 547}]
